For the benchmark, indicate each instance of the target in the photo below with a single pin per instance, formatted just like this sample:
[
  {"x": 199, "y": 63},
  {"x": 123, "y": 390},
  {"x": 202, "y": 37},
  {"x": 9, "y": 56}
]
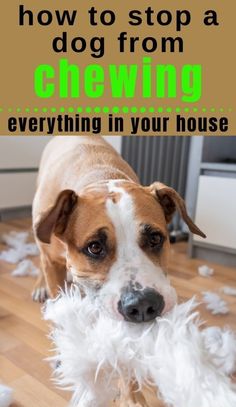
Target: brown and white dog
[{"x": 92, "y": 217}]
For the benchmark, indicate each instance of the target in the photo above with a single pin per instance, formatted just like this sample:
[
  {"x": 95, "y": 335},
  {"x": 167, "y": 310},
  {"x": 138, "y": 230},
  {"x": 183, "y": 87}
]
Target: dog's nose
[{"x": 141, "y": 305}]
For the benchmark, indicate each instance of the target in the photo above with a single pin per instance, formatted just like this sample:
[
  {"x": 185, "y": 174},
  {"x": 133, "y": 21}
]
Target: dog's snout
[{"x": 141, "y": 305}]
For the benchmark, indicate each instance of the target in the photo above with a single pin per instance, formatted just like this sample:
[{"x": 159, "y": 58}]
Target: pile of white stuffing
[
  {"x": 189, "y": 367},
  {"x": 19, "y": 248},
  {"x": 214, "y": 303}
]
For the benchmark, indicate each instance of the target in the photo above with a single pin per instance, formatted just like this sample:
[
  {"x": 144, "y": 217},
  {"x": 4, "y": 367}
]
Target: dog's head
[{"x": 116, "y": 241}]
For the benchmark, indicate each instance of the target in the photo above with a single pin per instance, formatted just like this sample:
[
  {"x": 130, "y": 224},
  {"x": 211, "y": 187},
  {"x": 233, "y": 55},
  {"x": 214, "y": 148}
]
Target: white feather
[{"x": 96, "y": 351}]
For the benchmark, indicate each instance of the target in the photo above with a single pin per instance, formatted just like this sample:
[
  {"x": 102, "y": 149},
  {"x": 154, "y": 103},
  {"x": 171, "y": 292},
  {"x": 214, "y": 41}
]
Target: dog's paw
[{"x": 40, "y": 294}]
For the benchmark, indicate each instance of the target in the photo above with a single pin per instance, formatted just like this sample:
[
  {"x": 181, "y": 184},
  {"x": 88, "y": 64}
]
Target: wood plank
[
  {"x": 34, "y": 364},
  {"x": 27, "y": 310},
  {"x": 29, "y": 392},
  {"x": 9, "y": 371},
  {"x": 27, "y": 334}
]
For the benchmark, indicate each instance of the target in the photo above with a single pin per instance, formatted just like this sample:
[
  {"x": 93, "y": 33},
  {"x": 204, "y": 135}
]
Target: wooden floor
[{"x": 23, "y": 335}]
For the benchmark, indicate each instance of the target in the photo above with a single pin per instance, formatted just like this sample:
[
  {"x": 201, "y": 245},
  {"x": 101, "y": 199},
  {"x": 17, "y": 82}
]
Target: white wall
[
  {"x": 115, "y": 141},
  {"x": 216, "y": 210},
  {"x": 25, "y": 151},
  {"x": 19, "y": 153}
]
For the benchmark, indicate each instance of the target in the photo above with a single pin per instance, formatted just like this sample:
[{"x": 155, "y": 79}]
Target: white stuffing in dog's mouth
[{"x": 93, "y": 352}]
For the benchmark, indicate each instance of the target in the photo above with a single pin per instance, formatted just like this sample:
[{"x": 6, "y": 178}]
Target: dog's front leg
[
  {"x": 54, "y": 271},
  {"x": 40, "y": 291}
]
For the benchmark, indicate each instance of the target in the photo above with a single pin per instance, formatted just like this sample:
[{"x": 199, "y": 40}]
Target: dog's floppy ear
[
  {"x": 56, "y": 217},
  {"x": 170, "y": 200}
]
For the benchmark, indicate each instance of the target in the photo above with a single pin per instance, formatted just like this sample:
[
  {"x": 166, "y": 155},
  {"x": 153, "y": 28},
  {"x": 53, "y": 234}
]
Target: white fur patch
[
  {"x": 132, "y": 263},
  {"x": 94, "y": 352}
]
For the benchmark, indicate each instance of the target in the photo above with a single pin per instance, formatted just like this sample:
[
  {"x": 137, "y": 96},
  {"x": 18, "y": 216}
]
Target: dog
[{"x": 91, "y": 216}]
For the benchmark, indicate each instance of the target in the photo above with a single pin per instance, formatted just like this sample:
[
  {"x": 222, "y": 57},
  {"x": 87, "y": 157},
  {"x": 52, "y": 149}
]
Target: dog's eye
[
  {"x": 156, "y": 240},
  {"x": 95, "y": 249}
]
